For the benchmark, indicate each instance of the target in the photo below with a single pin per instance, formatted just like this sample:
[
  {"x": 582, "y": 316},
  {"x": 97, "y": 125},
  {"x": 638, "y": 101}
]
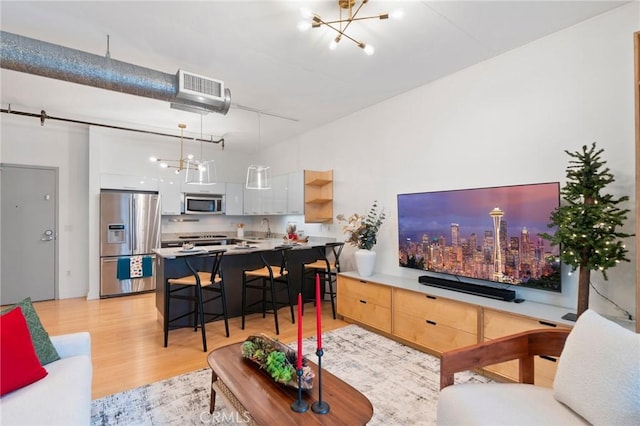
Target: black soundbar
[{"x": 475, "y": 289}]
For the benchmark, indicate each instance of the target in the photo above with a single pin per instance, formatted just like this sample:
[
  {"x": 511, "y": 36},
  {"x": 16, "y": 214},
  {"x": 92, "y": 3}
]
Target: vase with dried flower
[{"x": 362, "y": 233}]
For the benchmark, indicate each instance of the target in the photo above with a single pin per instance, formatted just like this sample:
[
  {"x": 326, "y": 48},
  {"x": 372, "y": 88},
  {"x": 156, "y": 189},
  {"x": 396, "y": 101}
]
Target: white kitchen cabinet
[
  {"x": 266, "y": 200},
  {"x": 286, "y": 196},
  {"x": 128, "y": 182},
  {"x": 216, "y": 188},
  {"x": 274, "y": 200},
  {"x": 170, "y": 195},
  {"x": 252, "y": 201},
  {"x": 234, "y": 199},
  {"x": 295, "y": 193},
  {"x": 280, "y": 184}
]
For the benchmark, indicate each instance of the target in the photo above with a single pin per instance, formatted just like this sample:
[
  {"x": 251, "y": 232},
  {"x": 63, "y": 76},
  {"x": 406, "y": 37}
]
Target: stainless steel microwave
[{"x": 203, "y": 204}]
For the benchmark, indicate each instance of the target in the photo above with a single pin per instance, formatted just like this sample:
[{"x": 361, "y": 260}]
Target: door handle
[{"x": 48, "y": 235}]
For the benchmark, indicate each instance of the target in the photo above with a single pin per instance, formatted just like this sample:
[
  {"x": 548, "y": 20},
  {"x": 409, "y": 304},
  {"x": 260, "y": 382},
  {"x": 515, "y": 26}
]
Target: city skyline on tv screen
[{"x": 454, "y": 232}]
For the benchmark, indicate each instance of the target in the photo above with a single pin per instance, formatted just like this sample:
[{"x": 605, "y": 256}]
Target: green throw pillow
[{"x": 42, "y": 343}]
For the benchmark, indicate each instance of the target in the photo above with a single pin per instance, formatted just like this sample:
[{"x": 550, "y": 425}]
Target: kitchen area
[
  {"x": 131, "y": 227},
  {"x": 206, "y": 221},
  {"x": 215, "y": 213}
]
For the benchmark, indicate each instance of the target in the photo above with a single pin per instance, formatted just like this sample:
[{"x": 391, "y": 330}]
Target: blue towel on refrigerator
[
  {"x": 147, "y": 266},
  {"x": 123, "y": 271}
]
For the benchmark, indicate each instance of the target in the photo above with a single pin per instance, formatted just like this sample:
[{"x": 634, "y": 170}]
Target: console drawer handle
[
  {"x": 363, "y": 281},
  {"x": 431, "y": 322},
  {"x": 548, "y": 358},
  {"x": 548, "y": 324},
  {"x": 363, "y": 301},
  {"x": 431, "y": 297}
]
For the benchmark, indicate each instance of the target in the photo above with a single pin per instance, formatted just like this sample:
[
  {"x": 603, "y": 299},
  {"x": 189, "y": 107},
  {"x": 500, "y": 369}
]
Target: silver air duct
[{"x": 186, "y": 90}]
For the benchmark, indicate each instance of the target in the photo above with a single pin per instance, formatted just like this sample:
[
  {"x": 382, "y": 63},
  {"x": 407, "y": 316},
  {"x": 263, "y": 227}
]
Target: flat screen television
[{"x": 487, "y": 234}]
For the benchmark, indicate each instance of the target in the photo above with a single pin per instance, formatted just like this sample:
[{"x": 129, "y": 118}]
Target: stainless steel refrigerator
[{"x": 129, "y": 231}]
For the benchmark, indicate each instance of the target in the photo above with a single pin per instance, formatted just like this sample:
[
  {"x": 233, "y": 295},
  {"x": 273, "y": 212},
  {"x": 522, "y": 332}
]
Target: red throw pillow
[{"x": 19, "y": 364}]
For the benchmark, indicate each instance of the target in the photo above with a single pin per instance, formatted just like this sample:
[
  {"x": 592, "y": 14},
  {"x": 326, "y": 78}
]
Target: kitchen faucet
[{"x": 265, "y": 220}]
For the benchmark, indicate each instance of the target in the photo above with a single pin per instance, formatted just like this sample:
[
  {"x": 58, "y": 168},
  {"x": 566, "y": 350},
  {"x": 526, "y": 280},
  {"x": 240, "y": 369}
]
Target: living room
[{"x": 504, "y": 121}]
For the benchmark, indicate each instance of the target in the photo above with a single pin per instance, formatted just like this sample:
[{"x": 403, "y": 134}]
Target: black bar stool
[
  {"x": 265, "y": 279},
  {"x": 199, "y": 281},
  {"x": 327, "y": 265}
]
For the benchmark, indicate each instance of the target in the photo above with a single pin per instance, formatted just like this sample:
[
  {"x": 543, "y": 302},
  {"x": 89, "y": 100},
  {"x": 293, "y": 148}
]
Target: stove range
[
  {"x": 201, "y": 237},
  {"x": 198, "y": 240}
]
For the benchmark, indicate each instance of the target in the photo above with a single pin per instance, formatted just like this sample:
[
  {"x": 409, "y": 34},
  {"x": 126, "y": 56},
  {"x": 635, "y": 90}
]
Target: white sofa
[
  {"x": 63, "y": 397},
  {"x": 597, "y": 381}
]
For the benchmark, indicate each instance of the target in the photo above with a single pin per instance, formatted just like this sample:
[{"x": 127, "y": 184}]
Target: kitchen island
[{"x": 170, "y": 263}]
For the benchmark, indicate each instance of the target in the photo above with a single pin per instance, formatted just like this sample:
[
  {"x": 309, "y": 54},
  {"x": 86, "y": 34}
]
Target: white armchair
[{"x": 597, "y": 381}]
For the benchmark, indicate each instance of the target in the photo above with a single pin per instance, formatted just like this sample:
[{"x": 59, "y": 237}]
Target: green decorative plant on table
[
  {"x": 278, "y": 360},
  {"x": 587, "y": 225},
  {"x": 362, "y": 233}
]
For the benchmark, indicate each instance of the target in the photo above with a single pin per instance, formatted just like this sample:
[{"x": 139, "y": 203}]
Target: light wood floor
[{"x": 127, "y": 338}]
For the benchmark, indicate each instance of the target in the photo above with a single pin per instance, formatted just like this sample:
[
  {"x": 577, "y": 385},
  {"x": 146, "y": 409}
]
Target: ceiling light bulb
[
  {"x": 177, "y": 171},
  {"x": 368, "y": 49},
  {"x": 333, "y": 44},
  {"x": 164, "y": 165},
  {"x": 153, "y": 159},
  {"x": 306, "y": 12},
  {"x": 304, "y": 26},
  {"x": 396, "y": 14},
  {"x": 190, "y": 157}
]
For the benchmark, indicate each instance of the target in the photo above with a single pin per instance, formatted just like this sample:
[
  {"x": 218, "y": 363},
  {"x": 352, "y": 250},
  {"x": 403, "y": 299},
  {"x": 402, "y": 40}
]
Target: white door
[{"x": 28, "y": 248}]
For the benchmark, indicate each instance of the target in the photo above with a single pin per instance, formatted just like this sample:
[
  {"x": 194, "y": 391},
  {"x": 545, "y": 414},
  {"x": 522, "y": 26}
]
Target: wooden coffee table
[{"x": 269, "y": 403}]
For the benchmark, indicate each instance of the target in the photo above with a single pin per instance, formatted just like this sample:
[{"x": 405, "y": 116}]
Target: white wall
[{"x": 504, "y": 121}]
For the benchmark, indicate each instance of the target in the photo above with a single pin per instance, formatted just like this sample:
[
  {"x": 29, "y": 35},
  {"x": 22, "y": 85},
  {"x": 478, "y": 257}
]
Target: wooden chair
[
  {"x": 502, "y": 404},
  {"x": 191, "y": 288},
  {"x": 265, "y": 279},
  {"x": 522, "y": 346},
  {"x": 327, "y": 265}
]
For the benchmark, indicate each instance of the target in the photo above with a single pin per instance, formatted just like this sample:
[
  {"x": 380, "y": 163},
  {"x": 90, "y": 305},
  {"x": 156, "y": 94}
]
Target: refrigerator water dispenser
[{"x": 116, "y": 233}]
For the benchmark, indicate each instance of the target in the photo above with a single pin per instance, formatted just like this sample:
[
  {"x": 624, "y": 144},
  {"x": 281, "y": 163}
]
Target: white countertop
[{"x": 231, "y": 249}]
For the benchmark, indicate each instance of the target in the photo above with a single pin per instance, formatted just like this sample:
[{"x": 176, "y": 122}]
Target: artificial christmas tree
[{"x": 587, "y": 225}]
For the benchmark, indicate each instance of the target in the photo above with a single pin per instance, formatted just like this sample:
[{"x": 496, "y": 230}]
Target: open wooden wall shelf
[{"x": 318, "y": 196}]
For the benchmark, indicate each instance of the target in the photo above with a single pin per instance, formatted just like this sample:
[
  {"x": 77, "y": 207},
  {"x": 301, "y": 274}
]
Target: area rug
[{"x": 402, "y": 384}]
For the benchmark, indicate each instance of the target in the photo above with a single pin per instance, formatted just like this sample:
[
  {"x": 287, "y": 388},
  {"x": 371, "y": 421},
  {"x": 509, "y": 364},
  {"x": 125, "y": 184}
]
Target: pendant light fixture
[
  {"x": 200, "y": 172},
  {"x": 197, "y": 172},
  {"x": 259, "y": 176},
  {"x": 179, "y": 165}
]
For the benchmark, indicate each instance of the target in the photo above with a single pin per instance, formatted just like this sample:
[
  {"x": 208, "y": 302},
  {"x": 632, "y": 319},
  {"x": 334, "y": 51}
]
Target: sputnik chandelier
[
  {"x": 348, "y": 14},
  {"x": 198, "y": 172},
  {"x": 179, "y": 164}
]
